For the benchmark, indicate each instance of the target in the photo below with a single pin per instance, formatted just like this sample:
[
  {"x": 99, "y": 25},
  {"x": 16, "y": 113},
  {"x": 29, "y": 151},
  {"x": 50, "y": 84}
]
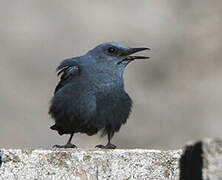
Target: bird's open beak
[{"x": 129, "y": 58}]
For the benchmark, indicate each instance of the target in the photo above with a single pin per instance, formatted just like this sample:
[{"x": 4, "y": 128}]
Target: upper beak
[
  {"x": 133, "y": 50},
  {"x": 129, "y": 58}
]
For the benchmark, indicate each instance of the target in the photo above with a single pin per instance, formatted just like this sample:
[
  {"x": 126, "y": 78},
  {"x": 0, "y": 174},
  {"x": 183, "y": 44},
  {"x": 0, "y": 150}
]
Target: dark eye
[{"x": 111, "y": 50}]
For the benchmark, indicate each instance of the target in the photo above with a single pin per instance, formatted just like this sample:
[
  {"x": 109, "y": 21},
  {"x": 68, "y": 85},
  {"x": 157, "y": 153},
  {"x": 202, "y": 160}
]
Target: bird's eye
[{"x": 111, "y": 50}]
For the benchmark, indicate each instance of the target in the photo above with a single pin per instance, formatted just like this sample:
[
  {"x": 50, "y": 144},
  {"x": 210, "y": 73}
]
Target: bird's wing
[{"x": 67, "y": 69}]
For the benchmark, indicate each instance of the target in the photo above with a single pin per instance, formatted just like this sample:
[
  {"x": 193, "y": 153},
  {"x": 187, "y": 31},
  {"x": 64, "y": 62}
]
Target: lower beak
[{"x": 129, "y": 58}]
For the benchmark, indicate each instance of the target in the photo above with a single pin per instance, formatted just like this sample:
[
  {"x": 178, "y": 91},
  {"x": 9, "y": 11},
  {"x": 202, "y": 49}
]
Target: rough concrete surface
[{"x": 90, "y": 164}]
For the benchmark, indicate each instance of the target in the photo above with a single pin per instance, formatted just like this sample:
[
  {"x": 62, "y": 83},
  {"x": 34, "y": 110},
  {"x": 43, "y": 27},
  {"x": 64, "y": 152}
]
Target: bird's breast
[{"x": 107, "y": 82}]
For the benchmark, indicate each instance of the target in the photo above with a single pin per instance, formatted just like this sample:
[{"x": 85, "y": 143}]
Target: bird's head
[{"x": 115, "y": 54}]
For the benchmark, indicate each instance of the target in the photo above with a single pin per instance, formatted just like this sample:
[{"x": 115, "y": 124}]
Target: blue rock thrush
[{"x": 90, "y": 96}]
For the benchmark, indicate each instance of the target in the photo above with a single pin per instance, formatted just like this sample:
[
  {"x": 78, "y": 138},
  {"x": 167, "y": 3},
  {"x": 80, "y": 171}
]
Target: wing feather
[{"x": 67, "y": 70}]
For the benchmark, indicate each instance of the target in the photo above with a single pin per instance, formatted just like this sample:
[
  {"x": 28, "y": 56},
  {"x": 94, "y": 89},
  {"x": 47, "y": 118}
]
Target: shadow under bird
[{"x": 90, "y": 96}]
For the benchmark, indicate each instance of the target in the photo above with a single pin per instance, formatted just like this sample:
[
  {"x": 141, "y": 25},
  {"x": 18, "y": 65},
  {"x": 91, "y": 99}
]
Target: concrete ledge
[
  {"x": 89, "y": 164},
  {"x": 198, "y": 161}
]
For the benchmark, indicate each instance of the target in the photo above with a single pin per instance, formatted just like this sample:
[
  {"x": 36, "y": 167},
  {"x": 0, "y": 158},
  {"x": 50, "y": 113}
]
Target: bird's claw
[
  {"x": 69, "y": 145},
  {"x": 108, "y": 146}
]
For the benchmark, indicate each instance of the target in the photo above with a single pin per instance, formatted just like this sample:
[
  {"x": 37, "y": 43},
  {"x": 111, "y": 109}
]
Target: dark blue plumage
[{"x": 90, "y": 96}]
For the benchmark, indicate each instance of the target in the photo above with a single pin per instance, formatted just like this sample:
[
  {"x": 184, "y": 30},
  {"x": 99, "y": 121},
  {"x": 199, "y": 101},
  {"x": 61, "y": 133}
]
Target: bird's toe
[
  {"x": 100, "y": 146},
  {"x": 57, "y": 146},
  {"x": 108, "y": 146},
  {"x": 65, "y": 146},
  {"x": 70, "y": 145}
]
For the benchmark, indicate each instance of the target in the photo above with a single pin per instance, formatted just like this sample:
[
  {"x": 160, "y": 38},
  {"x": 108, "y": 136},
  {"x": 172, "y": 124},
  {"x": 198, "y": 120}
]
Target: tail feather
[
  {"x": 54, "y": 127},
  {"x": 57, "y": 128}
]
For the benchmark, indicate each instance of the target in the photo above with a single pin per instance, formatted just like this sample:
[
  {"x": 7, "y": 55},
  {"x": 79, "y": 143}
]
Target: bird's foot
[
  {"x": 108, "y": 146},
  {"x": 68, "y": 145}
]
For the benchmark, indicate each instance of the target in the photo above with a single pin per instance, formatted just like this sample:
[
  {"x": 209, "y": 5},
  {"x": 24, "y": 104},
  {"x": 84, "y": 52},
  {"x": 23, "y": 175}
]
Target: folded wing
[{"x": 68, "y": 69}]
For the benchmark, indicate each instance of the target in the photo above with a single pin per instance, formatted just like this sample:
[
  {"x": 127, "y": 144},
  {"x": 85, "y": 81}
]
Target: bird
[{"x": 90, "y": 96}]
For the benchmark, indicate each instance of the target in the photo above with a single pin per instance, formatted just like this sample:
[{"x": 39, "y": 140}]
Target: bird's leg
[
  {"x": 108, "y": 145},
  {"x": 68, "y": 144}
]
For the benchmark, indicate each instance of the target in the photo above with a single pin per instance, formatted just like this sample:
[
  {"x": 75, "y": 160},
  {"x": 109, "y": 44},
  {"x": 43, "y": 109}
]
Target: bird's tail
[
  {"x": 54, "y": 127},
  {"x": 57, "y": 128}
]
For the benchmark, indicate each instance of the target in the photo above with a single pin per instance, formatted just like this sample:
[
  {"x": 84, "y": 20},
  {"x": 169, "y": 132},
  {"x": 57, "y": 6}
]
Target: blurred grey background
[{"x": 177, "y": 93}]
